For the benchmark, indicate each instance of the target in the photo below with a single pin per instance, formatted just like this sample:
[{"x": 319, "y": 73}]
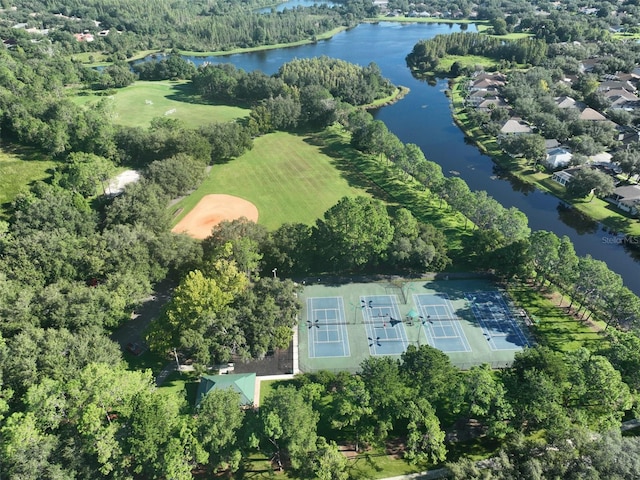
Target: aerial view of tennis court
[{"x": 472, "y": 321}]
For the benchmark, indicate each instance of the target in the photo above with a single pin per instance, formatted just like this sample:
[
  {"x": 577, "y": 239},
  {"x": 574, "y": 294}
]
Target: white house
[
  {"x": 558, "y": 157},
  {"x": 627, "y": 198}
]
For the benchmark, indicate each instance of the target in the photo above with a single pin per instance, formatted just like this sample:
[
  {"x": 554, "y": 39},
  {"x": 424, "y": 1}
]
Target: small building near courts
[{"x": 242, "y": 383}]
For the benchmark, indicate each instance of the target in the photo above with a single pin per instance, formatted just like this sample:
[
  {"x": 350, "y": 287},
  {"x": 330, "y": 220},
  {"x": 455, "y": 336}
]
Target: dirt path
[{"x": 149, "y": 310}]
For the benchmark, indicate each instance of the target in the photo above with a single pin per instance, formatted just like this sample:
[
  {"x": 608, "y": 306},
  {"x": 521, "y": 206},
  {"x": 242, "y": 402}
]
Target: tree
[
  {"x": 622, "y": 305},
  {"x": 530, "y": 147},
  {"x": 156, "y": 432},
  {"x": 425, "y": 438},
  {"x": 535, "y": 388},
  {"x": 370, "y": 137},
  {"x": 141, "y": 203},
  {"x": 387, "y": 391},
  {"x": 544, "y": 253},
  {"x": 568, "y": 264},
  {"x": 430, "y": 372},
  {"x": 177, "y": 175},
  {"x": 84, "y": 171},
  {"x": 317, "y": 106},
  {"x": 99, "y": 401},
  {"x": 289, "y": 424},
  {"x": 623, "y": 352},
  {"x": 25, "y": 451},
  {"x": 628, "y": 160},
  {"x": 328, "y": 463},
  {"x": 197, "y": 305},
  {"x": 456, "y": 192},
  {"x": 216, "y": 427},
  {"x": 267, "y": 314},
  {"x": 227, "y": 140},
  {"x": 587, "y": 181},
  {"x": 239, "y": 241},
  {"x": 353, "y": 233},
  {"x": 485, "y": 400},
  {"x": 352, "y": 411},
  {"x": 597, "y": 397},
  {"x": 286, "y": 249}
]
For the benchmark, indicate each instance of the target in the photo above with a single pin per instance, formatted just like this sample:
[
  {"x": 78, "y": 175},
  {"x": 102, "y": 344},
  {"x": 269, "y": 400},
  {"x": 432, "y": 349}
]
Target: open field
[
  {"x": 17, "y": 170},
  {"x": 296, "y": 178},
  {"x": 139, "y": 103},
  {"x": 287, "y": 177},
  {"x": 553, "y": 327}
]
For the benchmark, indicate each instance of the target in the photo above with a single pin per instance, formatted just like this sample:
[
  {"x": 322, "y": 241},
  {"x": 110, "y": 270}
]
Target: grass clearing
[
  {"x": 296, "y": 178},
  {"x": 141, "y": 102},
  {"x": 18, "y": 169},
  {"x": 287, "y": 176},
  {"x": 554, "y": 327},
  {"x": 182, "y": 384}
]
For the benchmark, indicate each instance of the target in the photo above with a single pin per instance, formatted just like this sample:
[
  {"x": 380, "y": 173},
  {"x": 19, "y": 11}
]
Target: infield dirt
[{"x": 213, "y": 209}]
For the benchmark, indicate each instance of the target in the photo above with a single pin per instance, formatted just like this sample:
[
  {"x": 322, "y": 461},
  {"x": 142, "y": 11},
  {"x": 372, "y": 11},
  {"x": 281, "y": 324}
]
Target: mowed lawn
[
  {"x": 141, "y": 102},
  {"x": 17, "y": 171},
  {"x": 287, "y": 178}
]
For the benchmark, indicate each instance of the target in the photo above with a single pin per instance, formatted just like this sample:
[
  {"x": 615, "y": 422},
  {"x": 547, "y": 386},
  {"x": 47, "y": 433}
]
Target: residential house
[
  {"x": 627, "y": 198},
  {"x": 602, "y": 158},
  {"x": 242, "y": 383},
  {"x": 515, "y": 126},
  {"x": 489, "y": 103},
  {"x": 563, "y": 177},
  {"x": 84, "y": 37},
  {"x": 590, "y": 114},
  {"x": 616, "y": 85},
  {"x": 565, "y": 102},
  {"x": 558, "y": 157},
  {"x": 622, "y": 99},
  {"x": 627, "y": 135},
  {"x": 587, "y": 65}
]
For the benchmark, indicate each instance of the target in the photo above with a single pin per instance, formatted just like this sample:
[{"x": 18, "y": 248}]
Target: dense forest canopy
[
  {"x": 75, "y": 264},
  {"x": 189, "y": 25}
]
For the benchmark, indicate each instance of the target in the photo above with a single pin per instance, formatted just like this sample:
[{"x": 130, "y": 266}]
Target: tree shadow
[{"x": 576, "y": 220}]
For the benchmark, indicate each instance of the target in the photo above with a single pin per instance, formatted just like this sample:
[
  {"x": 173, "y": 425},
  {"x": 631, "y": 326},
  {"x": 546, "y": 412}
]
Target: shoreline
[{"x": 526, "y": 174}]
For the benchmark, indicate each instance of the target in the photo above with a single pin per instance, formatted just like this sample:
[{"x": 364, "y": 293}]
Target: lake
[{"x": 423, "y": 117}]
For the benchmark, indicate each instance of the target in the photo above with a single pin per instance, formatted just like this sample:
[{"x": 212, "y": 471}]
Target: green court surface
[{"x": 472, "y": 321}]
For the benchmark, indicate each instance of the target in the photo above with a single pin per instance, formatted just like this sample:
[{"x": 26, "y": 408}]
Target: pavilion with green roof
[{"x": 243, "y": 383}]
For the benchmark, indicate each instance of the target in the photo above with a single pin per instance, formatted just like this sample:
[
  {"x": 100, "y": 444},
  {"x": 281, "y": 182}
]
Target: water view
[{"x": 423, "y": 117}]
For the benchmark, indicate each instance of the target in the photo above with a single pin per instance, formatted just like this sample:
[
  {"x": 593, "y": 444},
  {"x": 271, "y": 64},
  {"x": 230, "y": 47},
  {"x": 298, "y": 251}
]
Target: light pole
[{"x": 275, "y": 273}]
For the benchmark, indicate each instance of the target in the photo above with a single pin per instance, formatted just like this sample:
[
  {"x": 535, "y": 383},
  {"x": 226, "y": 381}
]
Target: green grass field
[
  {"x": 139, "y": 103},
  {"x": 286, "y": 176},
  {"x": 554, "y": 328},
  {"x": 18, "y": 169}
]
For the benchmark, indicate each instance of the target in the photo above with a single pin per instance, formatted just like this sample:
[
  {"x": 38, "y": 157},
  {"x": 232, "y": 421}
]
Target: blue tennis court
[
  {"x": 327, "y": 327},
  {"x": 383, "y": 323},
  {"x": 440, "y": 323},
  {"x": 496, "y": 320}
]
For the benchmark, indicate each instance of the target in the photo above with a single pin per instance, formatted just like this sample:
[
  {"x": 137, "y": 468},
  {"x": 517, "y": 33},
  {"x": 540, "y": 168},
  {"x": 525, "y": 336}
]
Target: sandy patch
[
  {"x": 213, "y": 209},
  {"x": 117, "y": 184}
]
